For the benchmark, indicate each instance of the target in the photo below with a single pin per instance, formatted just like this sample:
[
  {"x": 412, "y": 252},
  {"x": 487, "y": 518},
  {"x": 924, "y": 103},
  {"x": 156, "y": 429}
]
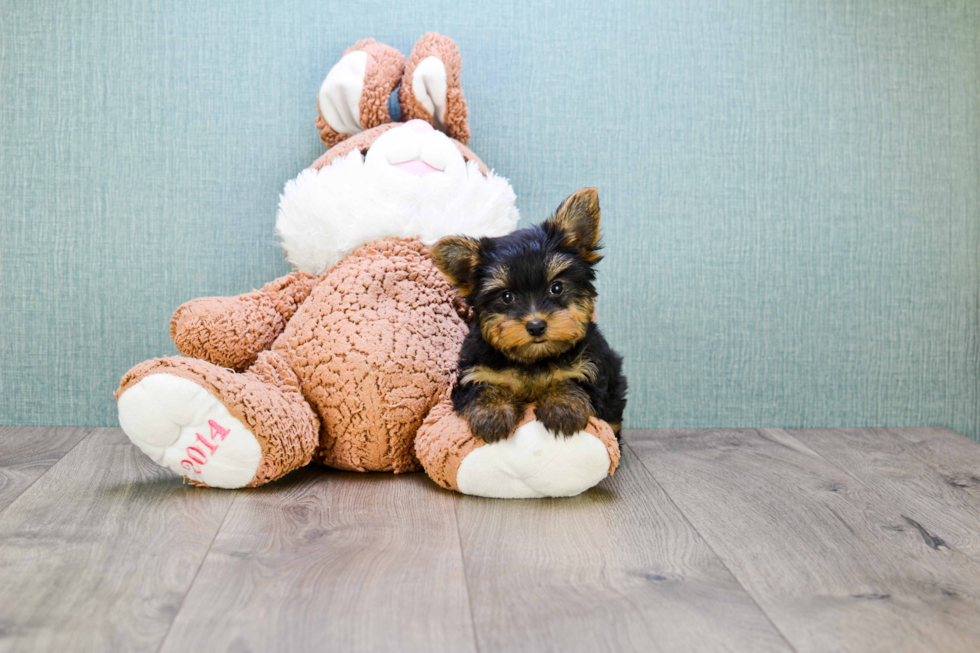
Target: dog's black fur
[{"x": 533, "y": 339}]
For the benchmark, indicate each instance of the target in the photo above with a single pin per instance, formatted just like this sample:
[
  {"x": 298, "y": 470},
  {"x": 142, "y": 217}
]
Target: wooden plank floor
[{"x": 735, "y": 540}]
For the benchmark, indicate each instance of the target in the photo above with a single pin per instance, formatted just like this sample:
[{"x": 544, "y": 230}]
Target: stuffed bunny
[{"x": 345, "y": 359}]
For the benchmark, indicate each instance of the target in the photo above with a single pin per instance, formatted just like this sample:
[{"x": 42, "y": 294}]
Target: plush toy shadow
[{"x": 349, "y": 360}]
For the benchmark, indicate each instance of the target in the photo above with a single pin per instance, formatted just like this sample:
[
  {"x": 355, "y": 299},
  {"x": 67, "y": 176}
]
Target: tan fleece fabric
[
  {"x": 444, "y": 440},
  {"x": 381, "y": 75},
  {"x": 266, "y": 399},
  {"x": 604, "y": 432},
  {"x": 329, "y": 137},
  {"x": 441, "y": 444},
  {"x": 444, "y": 49},
  {"x": 361, "y": 142},
  {"x": 375, "y": 346},
  {"x": 385, "y": 66},
  {"x": 231, "y": 331}
]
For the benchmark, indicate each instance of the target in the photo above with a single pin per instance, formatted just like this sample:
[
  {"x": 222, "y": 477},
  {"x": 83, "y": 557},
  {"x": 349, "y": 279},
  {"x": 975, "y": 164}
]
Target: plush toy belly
[
  {"x": 531, "y": 463},
  {"x": 374, "y": 347}
]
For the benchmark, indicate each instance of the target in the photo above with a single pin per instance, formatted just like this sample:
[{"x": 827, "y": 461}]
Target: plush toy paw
[
  {"x": 531, "y": 463},
  {"x": 183, "y": 427}
]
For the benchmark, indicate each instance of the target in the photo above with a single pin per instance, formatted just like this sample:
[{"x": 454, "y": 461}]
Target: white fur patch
[
  {"x": 429, "y": 86},
  {"x": 340, "y": 93},
  {"x": 183, "y": 427},
  {"x": 326, "y": 214},
  {"x": 533, "y": 463}
]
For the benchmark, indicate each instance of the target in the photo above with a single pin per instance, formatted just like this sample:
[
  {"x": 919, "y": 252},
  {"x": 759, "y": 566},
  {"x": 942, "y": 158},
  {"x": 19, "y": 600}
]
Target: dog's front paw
[
  {"x": 492, "y": 421},
  {"x": 562, "y": 419},
  {"x": 565, "y": 413}
]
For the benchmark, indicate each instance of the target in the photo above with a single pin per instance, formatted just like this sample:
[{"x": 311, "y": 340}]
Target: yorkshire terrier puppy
[{"x": 533, "y": 339}]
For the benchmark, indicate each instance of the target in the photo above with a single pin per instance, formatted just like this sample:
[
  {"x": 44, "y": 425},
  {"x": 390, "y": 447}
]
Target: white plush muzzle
[{"x": 413, "y": 182}]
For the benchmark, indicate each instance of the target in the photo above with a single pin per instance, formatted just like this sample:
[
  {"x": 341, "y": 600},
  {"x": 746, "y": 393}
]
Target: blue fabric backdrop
[{"x": 791, "y": 189}]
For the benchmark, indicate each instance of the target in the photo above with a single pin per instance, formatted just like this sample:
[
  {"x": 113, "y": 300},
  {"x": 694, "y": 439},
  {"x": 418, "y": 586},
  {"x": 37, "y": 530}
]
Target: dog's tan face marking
[
  {"x": 570, "y": 325},
  {"x": 510, "y": 336},
  {"x": 556, "y": 265},
  {"x": 497, "y": 280}
]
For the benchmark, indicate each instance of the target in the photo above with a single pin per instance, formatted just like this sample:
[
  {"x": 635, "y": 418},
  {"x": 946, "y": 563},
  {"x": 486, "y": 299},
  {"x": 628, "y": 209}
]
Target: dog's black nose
[{"x": 537, "y": 327}]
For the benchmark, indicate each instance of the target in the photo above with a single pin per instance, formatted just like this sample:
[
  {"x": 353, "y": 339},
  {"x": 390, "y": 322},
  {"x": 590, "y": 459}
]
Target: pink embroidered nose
[
  {"x": 419, "y": 125},
  {"x": 417, "y": 168}
]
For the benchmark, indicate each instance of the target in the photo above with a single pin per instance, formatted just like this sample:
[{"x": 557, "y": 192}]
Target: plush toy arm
[
  {"x": 533, "y": 462},
  {"x": 231, "y": 331}
]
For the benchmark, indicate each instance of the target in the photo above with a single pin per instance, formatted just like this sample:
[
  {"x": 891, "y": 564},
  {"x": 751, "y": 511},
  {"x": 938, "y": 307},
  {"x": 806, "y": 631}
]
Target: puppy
[{"x": 533, "y": 339}]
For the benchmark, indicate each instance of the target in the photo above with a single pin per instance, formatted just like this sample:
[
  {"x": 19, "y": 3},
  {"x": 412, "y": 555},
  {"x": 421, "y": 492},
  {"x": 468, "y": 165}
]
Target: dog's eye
[
  {"x": 556, "y": 288},
  {"x": 508, "y": 297}
]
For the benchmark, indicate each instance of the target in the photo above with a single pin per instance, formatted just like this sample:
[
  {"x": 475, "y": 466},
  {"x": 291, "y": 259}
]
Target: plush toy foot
[
  {"x": 216, "y": 427},
  {"x": 183, "y": 427},
  {"x": 532, "y": 463}
]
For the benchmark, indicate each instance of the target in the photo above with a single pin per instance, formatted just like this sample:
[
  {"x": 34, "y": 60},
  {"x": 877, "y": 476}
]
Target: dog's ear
[
  {"x": 578, "y": 219},
  {"x": 457, "y": 258}
]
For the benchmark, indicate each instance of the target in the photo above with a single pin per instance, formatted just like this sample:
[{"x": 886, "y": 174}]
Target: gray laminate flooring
[{"x": 711, "y": 540}]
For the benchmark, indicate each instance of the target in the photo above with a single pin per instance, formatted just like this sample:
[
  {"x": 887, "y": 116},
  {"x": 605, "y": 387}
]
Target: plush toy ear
[
  {"x": 431, "y": 88},
  {"x": 354, "y": 95},
  {"x": 457, "y": 258},
  {"x": 578, "y": 219}
]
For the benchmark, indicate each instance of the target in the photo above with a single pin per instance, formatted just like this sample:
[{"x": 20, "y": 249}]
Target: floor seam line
[
  {"x": 197, "y": 572},
  {"x": 466, "y": 579},
  {"x": 91, "y": 431},
  {"x": 712, "y": 549}
]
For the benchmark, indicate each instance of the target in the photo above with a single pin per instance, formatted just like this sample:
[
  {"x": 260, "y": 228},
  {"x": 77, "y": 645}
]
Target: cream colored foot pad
[
  {"x": 534, "y": 463},
  {"x": 183, "y": 427}
]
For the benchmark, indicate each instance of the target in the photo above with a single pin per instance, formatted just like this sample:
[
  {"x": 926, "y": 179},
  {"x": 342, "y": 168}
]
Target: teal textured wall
[{"x": 791, "y": 189}]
